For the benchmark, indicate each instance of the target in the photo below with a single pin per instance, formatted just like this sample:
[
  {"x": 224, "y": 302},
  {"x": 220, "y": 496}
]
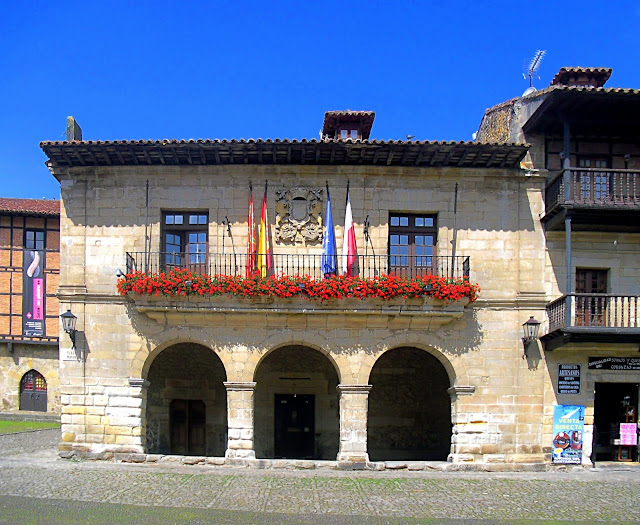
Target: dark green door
[{"x": 294, "y": 426}]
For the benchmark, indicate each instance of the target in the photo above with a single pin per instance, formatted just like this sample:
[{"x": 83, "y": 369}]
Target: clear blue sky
[{"x": 154, "y": 70}]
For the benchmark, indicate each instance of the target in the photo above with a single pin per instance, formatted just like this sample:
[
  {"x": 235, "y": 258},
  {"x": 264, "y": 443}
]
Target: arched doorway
[
  {"x": 33, "y": 392},
  {"x": 296, "y": 405},
  {"x": 186, "y": 410},
  {"x": 409, "y": 408}
]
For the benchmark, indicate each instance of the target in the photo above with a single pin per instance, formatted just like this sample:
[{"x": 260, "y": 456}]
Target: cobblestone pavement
[{"x": 29, "y": 468}]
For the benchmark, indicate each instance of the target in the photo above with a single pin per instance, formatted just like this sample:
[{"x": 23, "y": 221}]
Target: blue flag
[{"x": 329, "y": 265}]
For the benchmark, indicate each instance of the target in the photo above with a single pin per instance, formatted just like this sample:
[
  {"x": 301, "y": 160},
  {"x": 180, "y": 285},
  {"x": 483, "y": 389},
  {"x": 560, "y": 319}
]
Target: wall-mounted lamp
[
  {"x": 530, "y": 332},
  {"x": 428, "y": 288},
  {"x": 119, "y": 273},
  {"x": 69, "y": 326}
]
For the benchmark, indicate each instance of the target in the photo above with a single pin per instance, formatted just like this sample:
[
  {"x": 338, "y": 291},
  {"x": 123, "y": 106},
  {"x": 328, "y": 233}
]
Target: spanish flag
[
  {"x": 251, "y": 241},
  {"x": 264, "y": 252}
]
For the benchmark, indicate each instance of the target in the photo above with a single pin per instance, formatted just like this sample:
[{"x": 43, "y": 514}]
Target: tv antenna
[{"x": 534, "y": 65}]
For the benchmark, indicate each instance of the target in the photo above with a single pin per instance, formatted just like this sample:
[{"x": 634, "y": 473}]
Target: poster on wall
[
  {"x": 568, "y": 429},
  {"x": 568, "y": 379},
  {"x": 614, "y": 363},
  {"x": 33, "y": 293}
]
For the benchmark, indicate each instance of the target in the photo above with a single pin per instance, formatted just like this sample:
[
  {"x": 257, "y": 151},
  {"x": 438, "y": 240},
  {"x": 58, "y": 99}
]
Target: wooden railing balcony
[
  {"x": 592, "y": 318},
  {"x": 594, "y": 187},
  {"x": 367, "y": 266}
]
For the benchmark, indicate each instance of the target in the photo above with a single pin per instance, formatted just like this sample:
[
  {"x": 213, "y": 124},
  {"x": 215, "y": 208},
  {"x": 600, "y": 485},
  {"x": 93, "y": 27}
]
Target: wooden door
[
  {"x": 188, "y": 429},
  {"x": 591, "y": 308},
  {"x": 294, "y": 426},
  {"x": 33, "y": 392}
]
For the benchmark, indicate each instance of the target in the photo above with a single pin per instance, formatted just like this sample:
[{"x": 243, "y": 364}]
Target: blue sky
[{"x": 154, "y": 70}]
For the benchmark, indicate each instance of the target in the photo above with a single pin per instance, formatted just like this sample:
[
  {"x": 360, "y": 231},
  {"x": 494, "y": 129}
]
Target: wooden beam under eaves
[
  {"x": 333, "y": 153},
  {"x": 203, "y": 158},
  {"x": 133, "y": 155},
  {"x": 231, "y": 159},
  {"x": 464, "y": 155},
  {"x": 433, "y": 158},
  {"x": 449, "y": 155},
  {"x": 161, "y": 156},
  {"x": 146, "y": 156},
  {"x": 491, "y": 158},
  {"x": 119, "y": 155},
  {"x": 390, "y": 156}
]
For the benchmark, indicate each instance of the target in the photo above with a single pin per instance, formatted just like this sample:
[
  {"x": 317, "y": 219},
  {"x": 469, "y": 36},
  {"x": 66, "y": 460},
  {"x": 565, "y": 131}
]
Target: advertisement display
[
  {"x": 33, "y": 307},
  {"x": 568, "y": 379},
  {"x": 568, "y": 430},
  {"x": 628, "y": 434}
]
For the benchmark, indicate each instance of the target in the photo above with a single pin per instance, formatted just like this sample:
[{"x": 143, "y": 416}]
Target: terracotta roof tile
[
  {"x": 30, "y": 206},
  {"x": 596, "y": 76}
]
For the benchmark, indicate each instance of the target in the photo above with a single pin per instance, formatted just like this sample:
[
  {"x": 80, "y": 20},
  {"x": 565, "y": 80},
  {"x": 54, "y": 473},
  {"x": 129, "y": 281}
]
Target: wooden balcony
[
  {"x": 367, "y": 266},
  {"x": 595, "y": 198},
  {"x": 592, "y": 318}
]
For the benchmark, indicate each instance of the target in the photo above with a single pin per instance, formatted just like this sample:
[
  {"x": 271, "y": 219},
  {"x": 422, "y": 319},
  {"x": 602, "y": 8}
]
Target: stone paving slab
[{"x": 32, "y": 470}]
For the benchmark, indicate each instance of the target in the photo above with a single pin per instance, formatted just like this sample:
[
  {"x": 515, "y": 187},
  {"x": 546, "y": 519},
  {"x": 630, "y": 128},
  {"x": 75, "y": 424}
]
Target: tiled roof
[
  {"x": 285, "y": 151},
  {"x": 599, "y": 75},
  {"x": 30, "y": 206}
]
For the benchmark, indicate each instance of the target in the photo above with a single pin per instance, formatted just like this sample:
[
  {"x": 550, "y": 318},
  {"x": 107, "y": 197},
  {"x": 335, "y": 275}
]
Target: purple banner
[{"x": 33, "y": 295}]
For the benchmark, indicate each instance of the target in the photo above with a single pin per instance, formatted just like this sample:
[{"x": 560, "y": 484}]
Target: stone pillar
[
  {"x": 462, "y": 433},
  {"x": 240, "y": 420},
  {"x": 354, "y": 406}
]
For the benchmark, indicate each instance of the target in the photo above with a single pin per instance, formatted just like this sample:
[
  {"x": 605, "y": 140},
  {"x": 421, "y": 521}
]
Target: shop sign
[
  {"x": 568, "y": 379},
  {"x": 614, "y": 363},
  {"x": 629, "y": 434},
  {"x": 568, "y": 429}
]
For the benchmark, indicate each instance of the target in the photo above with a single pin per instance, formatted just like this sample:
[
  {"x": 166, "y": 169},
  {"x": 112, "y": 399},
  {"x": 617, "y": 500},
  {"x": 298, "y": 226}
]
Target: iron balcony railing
[
  {"x": 594, "y": 186},
  {"x": 594, "y": 311},
  {"x": 366, "y": 266}
]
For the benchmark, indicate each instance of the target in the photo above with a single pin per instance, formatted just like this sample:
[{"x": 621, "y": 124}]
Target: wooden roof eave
[{"x": 416, "y": 154}]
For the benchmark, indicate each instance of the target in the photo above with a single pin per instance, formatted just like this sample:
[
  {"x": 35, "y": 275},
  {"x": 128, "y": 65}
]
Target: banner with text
[
  {"x": 568, "y": 429},
  {"x": 33, "y": 307}
]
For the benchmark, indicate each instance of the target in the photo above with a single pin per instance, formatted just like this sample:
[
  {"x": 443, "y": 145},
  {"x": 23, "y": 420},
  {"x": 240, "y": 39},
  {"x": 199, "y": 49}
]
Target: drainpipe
[{"x": 566, "y": 165}]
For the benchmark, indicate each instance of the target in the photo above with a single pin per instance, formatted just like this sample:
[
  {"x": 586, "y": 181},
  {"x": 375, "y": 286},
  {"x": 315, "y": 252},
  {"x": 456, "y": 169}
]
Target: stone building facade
[
  {"x": 29, "y": 272},
  {"x": 361, "y": 381},
  {"x": 586, "y": 143}
]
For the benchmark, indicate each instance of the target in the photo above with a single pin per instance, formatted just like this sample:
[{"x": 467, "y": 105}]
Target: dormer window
[
  {"x": 349, "y": 134},
  {"x": 343, "y": 125}
]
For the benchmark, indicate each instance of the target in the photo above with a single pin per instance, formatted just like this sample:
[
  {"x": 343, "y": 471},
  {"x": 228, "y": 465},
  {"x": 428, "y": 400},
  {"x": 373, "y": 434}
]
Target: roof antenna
[{"x": 534, "y": 65}]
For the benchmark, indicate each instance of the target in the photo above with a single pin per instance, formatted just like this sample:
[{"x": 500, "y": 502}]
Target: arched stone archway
[
  {"x": 186, "y": 402},
  {"x": 296, "y": 405},
  {"x": 409, "y": 414}
]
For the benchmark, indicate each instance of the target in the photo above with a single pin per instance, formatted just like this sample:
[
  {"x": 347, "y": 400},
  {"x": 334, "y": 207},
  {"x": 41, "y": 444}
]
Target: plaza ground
[{"x": 36, "y": 487}]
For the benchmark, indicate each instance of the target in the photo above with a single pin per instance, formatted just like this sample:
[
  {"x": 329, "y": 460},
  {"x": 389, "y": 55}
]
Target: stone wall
[
  {"x": 22, "y": 358},
  {"x": 497, "y": 397}
]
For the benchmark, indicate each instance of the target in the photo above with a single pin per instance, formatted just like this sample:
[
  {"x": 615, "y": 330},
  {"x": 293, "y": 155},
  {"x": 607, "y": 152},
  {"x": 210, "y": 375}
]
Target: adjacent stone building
[
  {"x": 189, "y": 341},
  {"x": 29, "y": 272}
]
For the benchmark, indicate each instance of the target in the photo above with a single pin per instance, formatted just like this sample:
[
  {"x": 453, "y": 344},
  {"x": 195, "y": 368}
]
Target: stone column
[
  {"x": 354, "y": 405},
  {"x": 240, "y": 420},
  {"x": 461, "y": 432}
]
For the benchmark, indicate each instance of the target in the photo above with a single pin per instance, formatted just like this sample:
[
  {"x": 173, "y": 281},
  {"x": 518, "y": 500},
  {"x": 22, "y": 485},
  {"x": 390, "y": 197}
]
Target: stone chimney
[{"x": 74, "y": 132}]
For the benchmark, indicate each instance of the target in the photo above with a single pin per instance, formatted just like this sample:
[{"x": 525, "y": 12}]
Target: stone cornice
[
  {"x": 354, "y": 389},
  {"x": 248, "y": 386}
]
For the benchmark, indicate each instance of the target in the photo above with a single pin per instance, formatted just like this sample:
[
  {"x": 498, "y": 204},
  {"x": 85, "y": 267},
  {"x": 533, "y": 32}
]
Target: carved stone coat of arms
[{"x": 298, "y": 216}]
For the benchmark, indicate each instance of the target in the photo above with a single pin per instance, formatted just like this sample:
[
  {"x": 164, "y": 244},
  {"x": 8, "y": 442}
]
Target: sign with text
[
  {"x": 568, "y": 429},
  {"x": 568, "y": 379},
  {"x": 33, "y": 293},
  {"x": 614, "y": 363},
  {"x": 629, "y": 434}
]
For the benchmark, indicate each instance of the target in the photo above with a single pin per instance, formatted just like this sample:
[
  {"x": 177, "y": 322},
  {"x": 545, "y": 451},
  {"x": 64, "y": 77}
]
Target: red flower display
[{"x": 180, "y": 282}]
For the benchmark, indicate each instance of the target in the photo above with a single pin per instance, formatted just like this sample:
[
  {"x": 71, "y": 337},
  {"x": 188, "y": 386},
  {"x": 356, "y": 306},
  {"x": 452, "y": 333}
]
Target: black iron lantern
[
  {"x": 530, "y": 331},
  {"x": 69, "y": 326}
]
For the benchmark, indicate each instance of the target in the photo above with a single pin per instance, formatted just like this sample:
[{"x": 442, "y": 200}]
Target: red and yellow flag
[
  {"x": 264, "y": 254},
  {"x": 251, "y": 240}
]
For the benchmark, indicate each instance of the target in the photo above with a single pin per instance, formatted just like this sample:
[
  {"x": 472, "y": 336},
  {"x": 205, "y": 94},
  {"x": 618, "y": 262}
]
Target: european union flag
[{"x": 329, "y": 264}]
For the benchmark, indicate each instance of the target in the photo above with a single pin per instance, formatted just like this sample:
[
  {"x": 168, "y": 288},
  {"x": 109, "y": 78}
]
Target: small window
[
  {"x": 354, "y": 133},
  {"x": 34, "y": 240},
  {"x": 344, "y": 134}
]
